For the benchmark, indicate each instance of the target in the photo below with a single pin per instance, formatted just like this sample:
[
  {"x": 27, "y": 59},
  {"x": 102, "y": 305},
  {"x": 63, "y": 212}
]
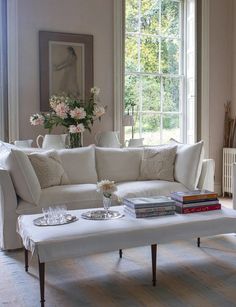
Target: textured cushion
[
  {"x": 188, "y": 164},
  {"x": 158, "y": 163},
  {"x": 118, "y": 164},
  {"x": 79, "y": 164},
  {"x": 48, "y": 169},
  {"x": 148, "y": 188},
  {"x": 22, "y": 173}
]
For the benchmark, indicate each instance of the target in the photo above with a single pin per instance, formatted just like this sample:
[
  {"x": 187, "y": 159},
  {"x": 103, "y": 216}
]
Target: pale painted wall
[
  {"x": 73, "y": 16},
  {"x": 220, "y": 54},
  {"x": 234, "y": 60}
]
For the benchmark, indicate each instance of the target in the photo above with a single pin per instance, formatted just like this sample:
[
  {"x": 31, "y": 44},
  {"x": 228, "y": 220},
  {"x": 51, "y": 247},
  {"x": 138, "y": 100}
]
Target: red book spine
[{"x": 201, "y": 209}]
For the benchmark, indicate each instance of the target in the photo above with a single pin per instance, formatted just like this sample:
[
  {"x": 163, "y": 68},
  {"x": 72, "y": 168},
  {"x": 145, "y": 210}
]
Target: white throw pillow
[
  {"x": 48, "y": 168},
  {"x": 188, "y": 164},
  {"x": 22, "y": 173},
  {"x": 118, "y": 164},
  {"x": 79, "y": 164},
  {"x": 158, "y": 163}
]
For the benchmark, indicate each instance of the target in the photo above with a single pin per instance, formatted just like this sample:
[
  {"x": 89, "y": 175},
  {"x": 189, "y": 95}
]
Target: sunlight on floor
[{"x": 226, "y": 202}]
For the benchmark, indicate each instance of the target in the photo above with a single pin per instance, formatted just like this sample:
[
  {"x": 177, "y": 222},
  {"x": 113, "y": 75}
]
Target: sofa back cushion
[
  {"x": 22, "y": 173},
  {"x": 118, "y": 164},
  {"x": 79, "y": 164},
  {"x": 188, "y": 164}
]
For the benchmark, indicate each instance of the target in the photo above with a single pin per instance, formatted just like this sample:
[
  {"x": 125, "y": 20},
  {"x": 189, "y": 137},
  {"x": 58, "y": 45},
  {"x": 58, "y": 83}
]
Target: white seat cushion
[
  {"x": 148, "y": 188},
  {"x": 76, "y": 196},
  {"x": 79, "y": 164},
  {"x": 118, "y": 164},
  {"x": 73, "y": 196}
]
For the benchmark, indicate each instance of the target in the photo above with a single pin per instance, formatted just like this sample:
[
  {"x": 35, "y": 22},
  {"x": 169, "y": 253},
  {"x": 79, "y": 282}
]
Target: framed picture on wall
[{"x": 65, "y": 65}]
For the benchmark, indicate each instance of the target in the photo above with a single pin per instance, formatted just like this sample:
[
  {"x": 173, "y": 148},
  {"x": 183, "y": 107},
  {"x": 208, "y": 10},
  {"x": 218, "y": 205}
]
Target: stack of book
[
  {"x": 140, "y": 207},
  {"x": 195, "y": 201}
]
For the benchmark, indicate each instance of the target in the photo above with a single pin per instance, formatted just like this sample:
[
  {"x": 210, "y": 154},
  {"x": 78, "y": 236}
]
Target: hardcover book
[
  {"x": 193, "y": 195},
  {"x": 146, "y": 202},
  {"x": 150, "y": 214},
  {"x": 197, "y": 209},
  {"x": 196, "y": 204},
  {"x": 150, "y": 209}
]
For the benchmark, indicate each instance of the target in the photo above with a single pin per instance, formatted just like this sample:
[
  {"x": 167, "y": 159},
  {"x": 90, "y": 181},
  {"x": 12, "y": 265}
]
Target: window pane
[
  {"x": 131, "y": 92},
  {"x": 150, "y": 16},
  {"x": 171, "y": 94},
  {"x": 149, "y": 54},
  {"x": 170, "y": 59},
  {"x": 171, "y": 127},
  {"x": 170, "y": 17},
  {"x": 151, "y": 93},
  {"x": 151, "y": 128},
  {"x": 131, "y": 22},
  {"x": 131, "y": 53}
]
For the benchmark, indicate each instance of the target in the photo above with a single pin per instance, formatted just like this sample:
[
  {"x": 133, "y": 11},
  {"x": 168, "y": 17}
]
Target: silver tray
[
  {"x": 40, "y": 221},
  {"x": 101, "y": 215}
]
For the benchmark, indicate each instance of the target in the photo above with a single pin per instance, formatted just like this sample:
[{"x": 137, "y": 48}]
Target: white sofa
[{"x": 20, "y": 191}]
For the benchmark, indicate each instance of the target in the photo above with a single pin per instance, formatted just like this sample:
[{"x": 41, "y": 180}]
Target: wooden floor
[{"x": 186, "y": 276}]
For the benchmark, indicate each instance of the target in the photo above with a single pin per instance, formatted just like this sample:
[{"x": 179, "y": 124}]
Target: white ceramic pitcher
[
  {"x": 52, "y": 141},
  {"x": 135, "y": 142},
  {"x": 23, "y": 143},
  {"x": 107, "y": 139}
]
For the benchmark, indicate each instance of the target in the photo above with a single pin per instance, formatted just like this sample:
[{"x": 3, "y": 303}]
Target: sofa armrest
[
  {"x": 206, "y": 180},
  {"x": 9, "y": 239}
]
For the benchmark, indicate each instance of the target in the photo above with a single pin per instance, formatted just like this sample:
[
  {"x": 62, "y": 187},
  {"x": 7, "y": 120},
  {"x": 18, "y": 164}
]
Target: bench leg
[
  {"x": 120, "y": 253},
  {"x": 26, "y": 259},
  {"x": 41, "y": 281},
  {"x": 154, "y": 263},
  {"x": 198, "y": 242}
]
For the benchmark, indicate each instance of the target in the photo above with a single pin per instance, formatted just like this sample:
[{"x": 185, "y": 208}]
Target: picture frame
[{"x": 65, "y": 65}]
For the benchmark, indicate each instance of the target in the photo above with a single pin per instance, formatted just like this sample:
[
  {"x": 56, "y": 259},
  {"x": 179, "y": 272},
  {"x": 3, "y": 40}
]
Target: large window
[{"x": 156, "y": 80}]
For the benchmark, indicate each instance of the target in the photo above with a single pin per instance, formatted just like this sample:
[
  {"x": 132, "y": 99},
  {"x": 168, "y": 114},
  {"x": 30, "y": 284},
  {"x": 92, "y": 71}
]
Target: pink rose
[
  {"x": 78, "y": 113},
  {"x": 61, "y": 110}
]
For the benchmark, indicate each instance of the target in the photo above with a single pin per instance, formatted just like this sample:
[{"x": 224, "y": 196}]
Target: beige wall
[
  {"x": 234, "y": 60},
  {"x": 73, "y": 16},
  {"x": 220, "y": 76}
]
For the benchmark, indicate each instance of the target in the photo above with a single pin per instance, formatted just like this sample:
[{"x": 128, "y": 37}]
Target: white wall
[
  {"x": 220, "y": 76},
  {"x": 72, "y": 16}
]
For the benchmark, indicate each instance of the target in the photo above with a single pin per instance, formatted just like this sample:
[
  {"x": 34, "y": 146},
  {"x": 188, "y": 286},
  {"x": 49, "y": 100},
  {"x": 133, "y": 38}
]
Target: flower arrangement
[
  {"x": 106, "y": 187},
  {"x": 72, "y": 113}
]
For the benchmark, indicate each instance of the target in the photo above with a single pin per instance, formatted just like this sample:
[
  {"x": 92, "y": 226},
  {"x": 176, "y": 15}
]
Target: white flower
[
  {"x": 95, "y": 90},
  {"x": 106, "y": 187},
  {"x": 78, "y": 113},
  {"x": 76, "y": 129},
  {"x": 37, "y": 120},
  {"x": 99, "y": 110},
  {"x": 72, "y": 129},
  {"x": 80, "y": 128},
  {"x": 61, "y": 110}
]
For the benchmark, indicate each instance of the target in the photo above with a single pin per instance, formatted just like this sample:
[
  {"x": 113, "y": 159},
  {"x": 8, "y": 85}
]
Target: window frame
[{"x": 119, "y": 15}]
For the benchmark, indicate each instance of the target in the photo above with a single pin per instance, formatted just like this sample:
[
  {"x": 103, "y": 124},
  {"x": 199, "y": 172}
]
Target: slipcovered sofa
[{"x": 21, "y": 192}]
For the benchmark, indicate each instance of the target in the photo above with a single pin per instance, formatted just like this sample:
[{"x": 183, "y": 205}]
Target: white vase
[{"x": 52, "y": 141}]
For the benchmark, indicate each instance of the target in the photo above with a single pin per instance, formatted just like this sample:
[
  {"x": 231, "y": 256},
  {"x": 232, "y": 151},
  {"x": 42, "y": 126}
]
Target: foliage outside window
[{"x": 154, "y": 79}]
